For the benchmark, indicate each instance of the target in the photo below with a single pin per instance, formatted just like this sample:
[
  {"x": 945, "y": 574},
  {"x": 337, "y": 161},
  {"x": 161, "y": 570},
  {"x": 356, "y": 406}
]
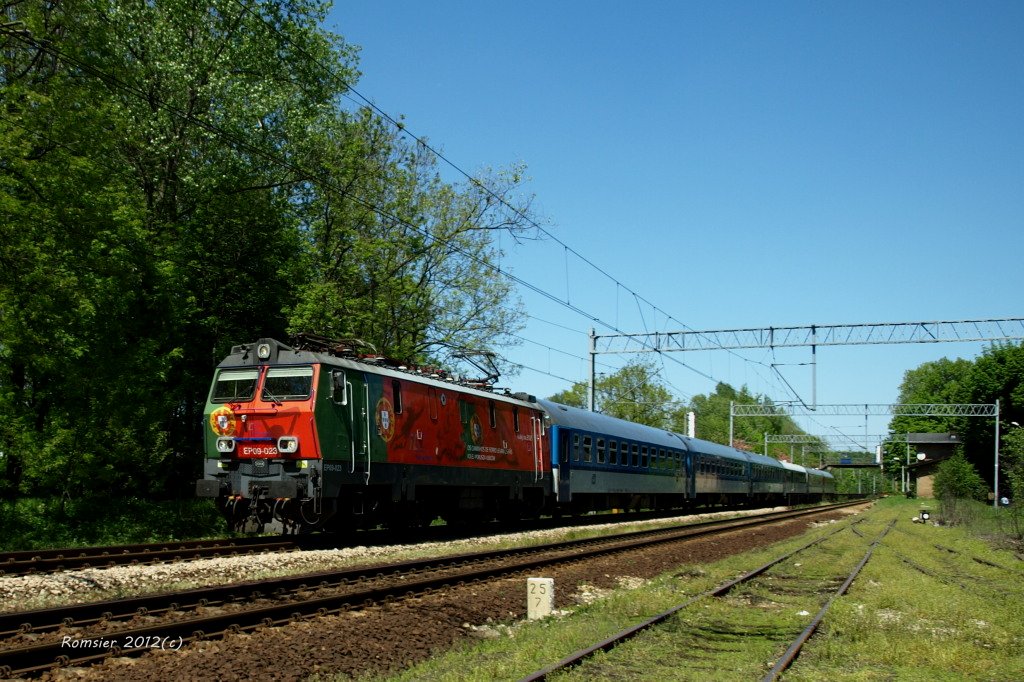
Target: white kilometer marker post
[{"x": 540, "y": 597}]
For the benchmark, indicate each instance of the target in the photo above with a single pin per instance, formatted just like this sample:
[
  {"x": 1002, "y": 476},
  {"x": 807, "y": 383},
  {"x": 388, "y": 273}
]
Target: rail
[
  {"x": 578, "y": 657},
  {"x": 355, "y": 587}
]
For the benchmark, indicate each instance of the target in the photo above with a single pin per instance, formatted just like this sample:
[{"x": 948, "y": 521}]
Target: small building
[{"x": 936, "y": 447}]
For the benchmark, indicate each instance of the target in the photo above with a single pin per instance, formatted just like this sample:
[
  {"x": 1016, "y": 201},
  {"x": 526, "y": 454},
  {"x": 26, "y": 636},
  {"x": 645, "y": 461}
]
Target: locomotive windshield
[
  {"x": 287, "y": 383},
  {"x": 235, "y": 385}
]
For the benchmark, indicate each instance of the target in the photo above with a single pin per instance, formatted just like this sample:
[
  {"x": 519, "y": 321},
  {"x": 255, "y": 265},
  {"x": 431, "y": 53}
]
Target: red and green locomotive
[{"x": 318, "y": 436}]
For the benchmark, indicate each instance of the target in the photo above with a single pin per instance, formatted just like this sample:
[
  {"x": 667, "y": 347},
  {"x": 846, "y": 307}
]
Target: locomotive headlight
[
  {"x": 225, "y": 445},
  {"x": 263, "y": 351},
  {"x": 287, "y": 444}
]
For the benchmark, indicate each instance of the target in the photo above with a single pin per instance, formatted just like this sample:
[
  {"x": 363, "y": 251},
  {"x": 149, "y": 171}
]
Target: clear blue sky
[{"x": 739, "y": 164}]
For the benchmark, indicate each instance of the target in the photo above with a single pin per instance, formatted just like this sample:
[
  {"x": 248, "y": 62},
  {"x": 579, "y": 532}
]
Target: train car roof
[
  {"x": 808, "y": 470},
  {"x": 708, "y": 448},
  {"x": 585, "y": 420},
  {"x": 245, "y": 355},
  {"x": 766, "y": 461}
]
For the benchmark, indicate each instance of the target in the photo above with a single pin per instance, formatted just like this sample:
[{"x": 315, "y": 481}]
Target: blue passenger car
[
  {"x": 601, "y": 462},
  {"x": 820, "y": 484},
  {"x": 721, "y": 474}
]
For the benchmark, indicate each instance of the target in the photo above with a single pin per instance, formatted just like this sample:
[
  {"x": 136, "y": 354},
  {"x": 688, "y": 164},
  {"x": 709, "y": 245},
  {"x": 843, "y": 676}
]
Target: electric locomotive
[{"x": 319, "y": 436}]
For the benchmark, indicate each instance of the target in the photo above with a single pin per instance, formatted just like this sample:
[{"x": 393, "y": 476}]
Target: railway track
[
  {"x": 694, "y": 633},
  {"x": 42, "y": 561},
  {"x": 51, "y": 560},
  {"x": 79, "y": 635}
]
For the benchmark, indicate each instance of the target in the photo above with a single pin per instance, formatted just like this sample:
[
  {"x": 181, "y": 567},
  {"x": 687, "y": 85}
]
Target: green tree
[
  {"x": 145, "y": 226},
  {"x": 997, "y": 374},
  {"x": 942, "y": 381},
  {"x": 633, "y": 393},
  {"x": 408, "y": 262},
  {"x": 575, "y": 396},
  {"x": 748, "y": 432}
]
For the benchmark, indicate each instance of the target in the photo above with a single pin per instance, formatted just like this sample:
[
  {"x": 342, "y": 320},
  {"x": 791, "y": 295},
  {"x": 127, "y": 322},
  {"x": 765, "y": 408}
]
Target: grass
[
  {"x": 922, "y": 612},
  {"x": 918, "y": 611}
]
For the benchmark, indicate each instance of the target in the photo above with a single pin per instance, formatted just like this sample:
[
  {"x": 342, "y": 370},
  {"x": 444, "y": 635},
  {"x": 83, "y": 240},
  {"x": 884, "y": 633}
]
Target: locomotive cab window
[
  {"x": 234, "y": 385},
  {"x": 492, "y": 417},
  {"x": 515, "y": 419},
  {"x": 396, "y": 395},
  {"x": 339, "y": 390},
  {"x": 287, "y": 383}
]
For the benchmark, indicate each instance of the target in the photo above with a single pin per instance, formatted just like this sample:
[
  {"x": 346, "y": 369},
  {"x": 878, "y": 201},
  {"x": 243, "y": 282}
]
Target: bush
[
  {"x": 40, "y": 523},
  {"x": 957, "y": 482},
  {"x": 1012, "y": 460}
]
